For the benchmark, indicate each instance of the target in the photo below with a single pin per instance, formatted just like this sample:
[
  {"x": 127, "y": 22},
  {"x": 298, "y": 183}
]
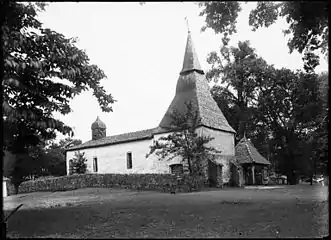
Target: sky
[{"x": 141, "y": 50}]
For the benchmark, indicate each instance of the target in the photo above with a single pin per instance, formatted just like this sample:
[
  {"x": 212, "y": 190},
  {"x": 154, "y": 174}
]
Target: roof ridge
[
  {"x": 245, "y": 141},
  {"x": 116, "y": 138},
  {"x": 144, "y": 130},
  {"x": 199, "y": 103},
  {"x": 248, "y": 149}
]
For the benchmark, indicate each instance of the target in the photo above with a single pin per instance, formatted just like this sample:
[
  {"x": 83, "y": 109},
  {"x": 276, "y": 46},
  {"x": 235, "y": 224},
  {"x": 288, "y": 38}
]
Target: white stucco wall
[
  {"x": 4, "y": 188},
  {"x": 223, "y": 141},
  {"x": 112, "y": 158}
]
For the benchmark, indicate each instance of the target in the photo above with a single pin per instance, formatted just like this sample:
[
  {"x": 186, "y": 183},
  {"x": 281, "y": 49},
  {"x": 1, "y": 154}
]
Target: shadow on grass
[
  {"x": 174, "y": 217},
  {"x": 236, "y": 202}
]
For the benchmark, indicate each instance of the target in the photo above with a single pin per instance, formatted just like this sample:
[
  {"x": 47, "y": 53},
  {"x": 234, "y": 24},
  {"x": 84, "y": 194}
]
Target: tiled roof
[
  {"x": 247, "y": 153},
  {"x": 121, "y": 138}
]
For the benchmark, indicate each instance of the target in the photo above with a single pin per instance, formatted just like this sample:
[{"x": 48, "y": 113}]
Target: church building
[{"x": 126, "y": 153}]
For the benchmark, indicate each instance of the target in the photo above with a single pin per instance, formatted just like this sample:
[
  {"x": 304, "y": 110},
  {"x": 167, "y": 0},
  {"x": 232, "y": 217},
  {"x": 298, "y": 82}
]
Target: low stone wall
[{"x": 159, "y": 182}]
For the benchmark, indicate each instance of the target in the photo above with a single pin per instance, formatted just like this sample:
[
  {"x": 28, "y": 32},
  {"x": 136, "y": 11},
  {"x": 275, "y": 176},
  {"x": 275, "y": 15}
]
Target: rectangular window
[
  {"x": 95, "y": 164},
  {"x": 129, "y": 160},
  {"x": 177, "y": 169}
]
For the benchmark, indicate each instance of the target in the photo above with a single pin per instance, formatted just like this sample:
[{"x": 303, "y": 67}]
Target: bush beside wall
[
  {"x": 10, "y": 188},
  {"x": 159, "y": 182}
]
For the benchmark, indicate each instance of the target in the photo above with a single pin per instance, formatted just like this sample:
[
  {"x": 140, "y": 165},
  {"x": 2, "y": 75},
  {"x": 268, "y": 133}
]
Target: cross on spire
[{"x": 188, "y": 26}]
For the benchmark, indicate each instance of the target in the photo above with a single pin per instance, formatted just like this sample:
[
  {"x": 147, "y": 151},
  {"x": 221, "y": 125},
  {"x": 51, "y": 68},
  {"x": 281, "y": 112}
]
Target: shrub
[
  {"x": 78, "y": 164},
  {"x": 161, "y": 182}
]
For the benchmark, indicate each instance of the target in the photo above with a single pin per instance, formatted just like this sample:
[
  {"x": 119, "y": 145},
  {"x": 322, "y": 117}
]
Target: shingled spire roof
[
  {"x": 192, "y": 86},
  {"x": 191, "y": 61}
]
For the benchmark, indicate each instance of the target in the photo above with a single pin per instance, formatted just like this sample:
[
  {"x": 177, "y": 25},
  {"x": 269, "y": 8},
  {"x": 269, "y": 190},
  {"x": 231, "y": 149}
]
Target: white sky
[{"x": 141, "y": 50}]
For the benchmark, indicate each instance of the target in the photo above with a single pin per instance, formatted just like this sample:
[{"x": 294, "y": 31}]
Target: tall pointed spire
[
  {"x": 191, "y": 62},
  {"x": 192, "y": 87}
]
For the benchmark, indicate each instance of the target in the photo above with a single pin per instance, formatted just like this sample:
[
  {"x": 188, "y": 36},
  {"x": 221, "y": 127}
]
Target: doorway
[{"x": 212, "y": 173}]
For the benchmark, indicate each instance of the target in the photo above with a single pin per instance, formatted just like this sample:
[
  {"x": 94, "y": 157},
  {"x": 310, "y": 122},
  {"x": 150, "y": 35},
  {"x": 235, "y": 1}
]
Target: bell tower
[
  {"x": 98, "y": 129},
  {"x": 192, "y": 86}
]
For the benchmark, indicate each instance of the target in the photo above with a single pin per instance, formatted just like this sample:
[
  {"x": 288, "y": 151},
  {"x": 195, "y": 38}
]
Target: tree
[
  {"x": 37, "y": 161},
  {"x": 240, "y": 71},
  {"x": 56, "y": 156},
  {"x": 78, "y": 163},
  {"x": 20, "y": 170},
  {"x": 289, "y": 106},
  {"x": 28, "y": 165},
  {"x": 184, "y": 142},
  {"x": 63, "y": 144},
  {"x": 276, "y": 108},
  {"x": 43, "y": 70},
  {"x": 320, "y": 134},
  {"x": 308, "y": 21}
]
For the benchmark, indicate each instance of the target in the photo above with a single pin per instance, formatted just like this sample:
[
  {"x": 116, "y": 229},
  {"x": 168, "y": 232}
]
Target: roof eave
[
  {"x": 219, "y": 129},
  {"x": 189, "y": 70},
  {"x": 107, "y": 144}
]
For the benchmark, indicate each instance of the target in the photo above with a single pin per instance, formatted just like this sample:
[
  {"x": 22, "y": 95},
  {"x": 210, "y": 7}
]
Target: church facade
[{"x": 126, "y": 153}]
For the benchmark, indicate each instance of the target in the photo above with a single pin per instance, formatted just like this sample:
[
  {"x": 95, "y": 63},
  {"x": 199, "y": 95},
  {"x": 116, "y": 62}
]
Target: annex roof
[{"x": 247, "y": 153}]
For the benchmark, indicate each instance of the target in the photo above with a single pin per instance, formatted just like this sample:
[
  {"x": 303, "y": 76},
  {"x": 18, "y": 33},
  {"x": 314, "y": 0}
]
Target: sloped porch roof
[{"x": 247, "y": 153}]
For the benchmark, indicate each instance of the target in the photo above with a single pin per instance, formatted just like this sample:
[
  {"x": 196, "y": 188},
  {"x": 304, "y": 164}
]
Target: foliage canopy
[
  {"x": 43, "y": 71},
  {"x": 308, "y": 23}
]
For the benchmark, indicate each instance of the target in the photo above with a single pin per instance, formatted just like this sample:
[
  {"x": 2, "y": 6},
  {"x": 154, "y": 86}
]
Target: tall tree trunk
[
  {"x": 241, "y": 104},
  {"x": 16, "y": 186},
  {"x": 4, "y": 230},
  {"x": 291, "y": 177},
  {"x": 311, "y": 173},
  {"x": 189, "y": 165},
  {"x": 290, "y": 170}
]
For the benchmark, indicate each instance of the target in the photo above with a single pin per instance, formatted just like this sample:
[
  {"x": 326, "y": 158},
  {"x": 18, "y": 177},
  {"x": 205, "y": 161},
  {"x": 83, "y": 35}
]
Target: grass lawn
[{"x": 292, "y": 211}]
